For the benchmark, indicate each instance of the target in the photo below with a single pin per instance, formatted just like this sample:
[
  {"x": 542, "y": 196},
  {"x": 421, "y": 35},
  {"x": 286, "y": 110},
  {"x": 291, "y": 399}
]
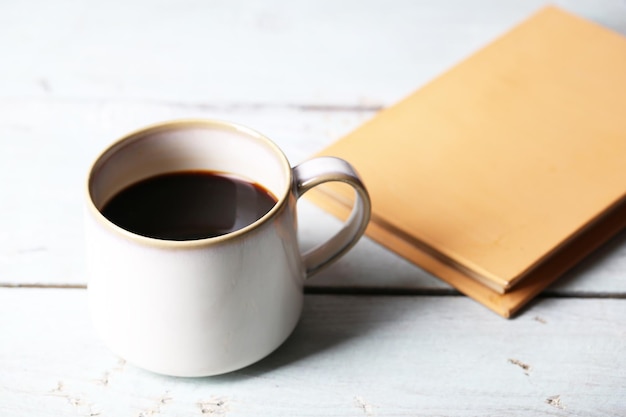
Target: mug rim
[{"x": 178, "y": 124}]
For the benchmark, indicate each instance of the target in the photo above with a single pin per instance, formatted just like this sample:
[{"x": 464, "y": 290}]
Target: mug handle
[{"x": 326, "y": 169}]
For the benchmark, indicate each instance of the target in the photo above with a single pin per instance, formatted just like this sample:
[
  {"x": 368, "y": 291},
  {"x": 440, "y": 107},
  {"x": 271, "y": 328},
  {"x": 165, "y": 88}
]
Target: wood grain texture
[
  {"x": 349, "y": 356},
  {"x": 313, "y": 52}
]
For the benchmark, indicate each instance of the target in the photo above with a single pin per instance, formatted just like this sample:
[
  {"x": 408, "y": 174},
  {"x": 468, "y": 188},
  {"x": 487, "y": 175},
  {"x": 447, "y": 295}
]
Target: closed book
[{"x": 506, "y": 170}]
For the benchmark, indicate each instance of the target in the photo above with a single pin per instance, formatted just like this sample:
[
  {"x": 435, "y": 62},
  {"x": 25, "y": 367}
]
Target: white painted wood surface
[
  {"x": 349, "y": 356},
  {"x": 76, "y": 75}
]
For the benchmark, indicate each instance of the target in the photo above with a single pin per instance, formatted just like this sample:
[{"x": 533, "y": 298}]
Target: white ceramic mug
[{"x": 207, "y": 306}]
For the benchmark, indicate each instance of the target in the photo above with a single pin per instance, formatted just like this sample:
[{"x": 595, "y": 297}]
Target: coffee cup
[{"x": 217, "y": 295}]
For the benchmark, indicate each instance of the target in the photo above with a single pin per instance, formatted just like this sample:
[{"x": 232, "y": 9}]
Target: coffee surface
[{"x": 188, "y": 205}]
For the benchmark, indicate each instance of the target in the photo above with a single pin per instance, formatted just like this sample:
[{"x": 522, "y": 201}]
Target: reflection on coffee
[{"x": 188, "y": 205}]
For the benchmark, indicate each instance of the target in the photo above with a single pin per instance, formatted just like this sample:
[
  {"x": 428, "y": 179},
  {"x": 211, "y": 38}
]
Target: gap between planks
[
  {"x": 369, "y": 291},
  {"x": 226, "y": 106}
]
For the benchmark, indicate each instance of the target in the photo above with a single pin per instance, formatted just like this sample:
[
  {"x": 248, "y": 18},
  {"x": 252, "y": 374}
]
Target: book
[{"x": 506, "y": 170}]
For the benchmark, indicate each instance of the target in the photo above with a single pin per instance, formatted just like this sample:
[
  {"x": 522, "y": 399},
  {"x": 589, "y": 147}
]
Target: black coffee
[{"x": 188, "y": 205}]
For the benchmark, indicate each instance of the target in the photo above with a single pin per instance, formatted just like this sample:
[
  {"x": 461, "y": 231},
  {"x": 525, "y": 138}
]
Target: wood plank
[
  {"x": 349, "y": 356},
  {"x": 41, "y": 214},
  {"x": 324, "y": 52}
]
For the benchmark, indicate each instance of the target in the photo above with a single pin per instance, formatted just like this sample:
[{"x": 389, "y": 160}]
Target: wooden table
[{"x": 378, "y": 336}]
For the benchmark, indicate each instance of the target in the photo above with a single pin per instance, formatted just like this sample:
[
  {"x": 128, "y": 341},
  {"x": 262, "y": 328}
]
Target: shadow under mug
[{"x": 207, "y": 306}]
